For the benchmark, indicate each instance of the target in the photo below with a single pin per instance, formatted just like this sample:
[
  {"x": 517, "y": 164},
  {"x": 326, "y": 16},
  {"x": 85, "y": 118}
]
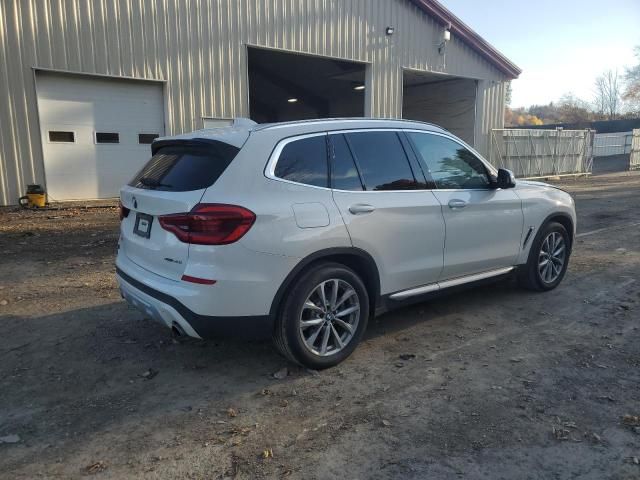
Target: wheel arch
[
  {"x": 356, "y": 259},
  {"x": 563, "y": 219}
]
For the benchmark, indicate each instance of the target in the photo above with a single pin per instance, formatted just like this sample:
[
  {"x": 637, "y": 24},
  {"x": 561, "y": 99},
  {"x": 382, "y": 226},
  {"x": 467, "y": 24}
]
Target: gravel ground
[{"x": 491, "y": 383}]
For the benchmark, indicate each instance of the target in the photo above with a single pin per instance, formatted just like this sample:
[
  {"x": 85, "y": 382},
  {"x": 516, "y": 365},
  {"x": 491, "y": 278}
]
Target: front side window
[
  {"x": 450, "y": 164},
  {"x": 304, "y": 161},
  {"x": 382, "y": 161}
]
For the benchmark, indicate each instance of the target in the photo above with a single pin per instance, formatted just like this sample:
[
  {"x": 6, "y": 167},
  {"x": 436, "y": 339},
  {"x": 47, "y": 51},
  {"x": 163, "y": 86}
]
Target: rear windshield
[{"x": 182, "y": 168}]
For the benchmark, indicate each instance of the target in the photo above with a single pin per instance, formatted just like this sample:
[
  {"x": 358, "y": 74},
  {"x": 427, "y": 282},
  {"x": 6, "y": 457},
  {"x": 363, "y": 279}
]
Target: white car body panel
[
  {"x": 491, "y": 218},
  {"x": 541, "y": 201},
  {"x": 404, "y": 234}
]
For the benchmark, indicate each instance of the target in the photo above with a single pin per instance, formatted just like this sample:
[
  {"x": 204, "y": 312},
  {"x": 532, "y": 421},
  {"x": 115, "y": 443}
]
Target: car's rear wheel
[
  {"x": 323, "y": 317},
  {"x": 548, "y": 259}
]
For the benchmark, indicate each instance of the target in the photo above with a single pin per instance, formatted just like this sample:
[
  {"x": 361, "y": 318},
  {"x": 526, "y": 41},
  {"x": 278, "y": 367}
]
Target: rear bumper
[{"x": 171, "y": 312}]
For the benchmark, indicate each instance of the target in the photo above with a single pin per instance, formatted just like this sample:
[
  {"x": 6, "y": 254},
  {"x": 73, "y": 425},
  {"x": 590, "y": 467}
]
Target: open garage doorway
[
  {"x": 447, "y": 101},
  {"x": 287, "y": 86}
]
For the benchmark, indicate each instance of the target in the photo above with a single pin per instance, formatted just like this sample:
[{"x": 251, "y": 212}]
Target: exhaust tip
[{"x": 177, "y": 330}]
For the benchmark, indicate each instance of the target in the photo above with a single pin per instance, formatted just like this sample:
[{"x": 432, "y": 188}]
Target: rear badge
[{"x": 179, "y": 262}]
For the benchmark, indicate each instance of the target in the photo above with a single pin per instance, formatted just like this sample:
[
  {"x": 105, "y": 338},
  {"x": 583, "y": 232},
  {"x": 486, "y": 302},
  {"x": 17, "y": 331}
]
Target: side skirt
[{"x": 433, "y": 290}]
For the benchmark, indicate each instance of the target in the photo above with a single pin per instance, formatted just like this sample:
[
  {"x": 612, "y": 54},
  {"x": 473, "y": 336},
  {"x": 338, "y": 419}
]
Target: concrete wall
[{"x": 199, "y": 49}]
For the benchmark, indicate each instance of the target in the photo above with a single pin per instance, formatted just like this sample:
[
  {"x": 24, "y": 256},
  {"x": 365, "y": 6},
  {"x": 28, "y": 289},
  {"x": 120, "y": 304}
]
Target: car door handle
[
  {"x": 361, "y": 208},
  {"x": 457, "y": 203}
]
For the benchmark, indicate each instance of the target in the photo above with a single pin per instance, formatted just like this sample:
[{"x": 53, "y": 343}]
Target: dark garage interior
[
  {"x": 447, "y": 101},
  {"x": 288, "y": 86}
]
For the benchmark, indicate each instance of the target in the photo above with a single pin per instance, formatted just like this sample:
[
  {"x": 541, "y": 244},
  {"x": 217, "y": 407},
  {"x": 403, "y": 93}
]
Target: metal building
[{"x": 86, "y": 85}]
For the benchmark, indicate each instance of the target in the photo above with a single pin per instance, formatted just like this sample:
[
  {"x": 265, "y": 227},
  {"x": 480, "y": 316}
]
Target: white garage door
[{"x": 95, "y": 132}]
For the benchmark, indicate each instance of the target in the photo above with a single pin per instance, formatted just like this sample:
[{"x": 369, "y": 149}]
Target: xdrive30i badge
[{"x": 179, "y": 262}]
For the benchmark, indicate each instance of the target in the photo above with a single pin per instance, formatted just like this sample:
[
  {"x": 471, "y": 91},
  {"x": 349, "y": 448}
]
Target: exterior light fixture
[
  {"x": 292, "y": 100},
  {"x": 359, "y": 87},
  {"x": 389, "y": 30},
  {"x": 446, "y": 36}
]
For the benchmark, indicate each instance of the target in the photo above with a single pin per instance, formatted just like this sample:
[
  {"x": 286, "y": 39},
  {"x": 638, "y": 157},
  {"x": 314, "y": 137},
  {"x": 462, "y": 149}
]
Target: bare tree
[
  {"x": 632, "y": 80},
  {"x": 607, "y": 99},
  {"x": 572, "y": 109}
]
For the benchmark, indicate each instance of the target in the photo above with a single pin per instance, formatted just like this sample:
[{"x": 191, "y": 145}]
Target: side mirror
[{"x": 506, "y": 179}]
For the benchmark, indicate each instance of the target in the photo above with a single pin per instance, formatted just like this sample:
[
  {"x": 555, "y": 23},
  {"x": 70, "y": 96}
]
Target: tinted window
[
  {"x": 381, "y": 160},
  {"x": 344, "y": 174},
  {"x": 450, "y": 164},
  {"x": 304, "y": 161},
  {"x": 181, "y": 168},
  {"x": 57, "y": 136}
]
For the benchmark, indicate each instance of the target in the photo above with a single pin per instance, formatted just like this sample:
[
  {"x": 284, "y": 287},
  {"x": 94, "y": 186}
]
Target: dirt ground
[{"x": 492, "y": 383}]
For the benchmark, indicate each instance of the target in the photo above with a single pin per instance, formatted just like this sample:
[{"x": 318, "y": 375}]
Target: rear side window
[
  {"x": 304, "y": 161},
  {"x": 344, "y": 174},
  {"x": 382, "y": 161},
  {"x": 182, "y": 168}
]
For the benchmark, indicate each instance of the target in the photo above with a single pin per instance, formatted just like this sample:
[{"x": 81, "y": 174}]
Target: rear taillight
[
  {"x": 209, "y": 224},
  {"x": 124, "y": 211}
]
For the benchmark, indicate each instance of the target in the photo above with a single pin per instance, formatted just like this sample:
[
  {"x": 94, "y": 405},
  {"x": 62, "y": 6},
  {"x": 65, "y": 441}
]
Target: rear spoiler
[{"x": 206, "y": 143}]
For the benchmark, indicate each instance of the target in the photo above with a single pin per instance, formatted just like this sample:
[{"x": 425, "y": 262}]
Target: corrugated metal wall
[{"x": 198, "y": 47}]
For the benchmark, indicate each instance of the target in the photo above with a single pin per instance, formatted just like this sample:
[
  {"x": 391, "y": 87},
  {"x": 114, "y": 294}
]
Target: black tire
[
  {"x": 529, "y": 275},
  {"x": 287, "y": 335}
]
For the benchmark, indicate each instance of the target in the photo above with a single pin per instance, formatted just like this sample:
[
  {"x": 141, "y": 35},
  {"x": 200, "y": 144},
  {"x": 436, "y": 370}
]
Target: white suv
[{"x": 305, "y": 230}]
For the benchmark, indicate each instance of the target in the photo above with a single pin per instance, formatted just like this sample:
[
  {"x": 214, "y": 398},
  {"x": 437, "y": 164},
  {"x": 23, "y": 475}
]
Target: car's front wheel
[
  {"x": 323, "y": 317},
  {"x": 548, "y": 259}
]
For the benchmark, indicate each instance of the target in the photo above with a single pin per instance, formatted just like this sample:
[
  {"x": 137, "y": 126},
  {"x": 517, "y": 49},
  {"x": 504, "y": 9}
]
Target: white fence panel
[
  {"x": 541, "y": 153},
  {"x": 634, "y": 161},
  {"x": 606, "y": 144}
]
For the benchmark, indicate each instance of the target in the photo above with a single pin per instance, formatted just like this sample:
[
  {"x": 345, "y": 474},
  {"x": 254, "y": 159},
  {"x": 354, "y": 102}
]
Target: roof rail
[{"x": 267, "y": 126}]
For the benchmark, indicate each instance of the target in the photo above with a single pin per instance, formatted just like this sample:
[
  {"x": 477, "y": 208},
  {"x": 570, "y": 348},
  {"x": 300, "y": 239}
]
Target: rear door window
[
  {"x": 382, "y": 161},
  {"x": 344, "y": 174},
  {"x": 304, "y": 161},
  {"x": 185, "y": 167}
]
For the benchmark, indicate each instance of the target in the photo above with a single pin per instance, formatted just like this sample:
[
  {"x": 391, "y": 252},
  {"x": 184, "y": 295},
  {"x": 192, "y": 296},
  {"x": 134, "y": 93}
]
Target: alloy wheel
[
  {"x": 552, "y": 256},
  {"x": 329, "y": 317}
]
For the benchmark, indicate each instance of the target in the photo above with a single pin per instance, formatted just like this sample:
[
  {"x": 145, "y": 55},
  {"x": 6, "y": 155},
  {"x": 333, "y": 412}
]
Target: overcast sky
[{"x": 560, "y": 45}]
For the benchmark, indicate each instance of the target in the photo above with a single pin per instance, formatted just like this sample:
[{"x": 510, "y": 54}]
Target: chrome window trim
[
  {"x": 275, "y": 155},
  {"x": 270, "y": 168}
]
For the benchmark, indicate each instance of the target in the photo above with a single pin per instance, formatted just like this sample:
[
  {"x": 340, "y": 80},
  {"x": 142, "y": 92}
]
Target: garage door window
[
  {"x": 382, "y": 161},
  {"x": 147, "y": 138},
  {"x": 304, "y": 161},
  {"x": 107, "y": 137},
  {"x": 57, "y": 136},
  {"x": 451, "y": 165},
  {"x": 183, "y": 168}
]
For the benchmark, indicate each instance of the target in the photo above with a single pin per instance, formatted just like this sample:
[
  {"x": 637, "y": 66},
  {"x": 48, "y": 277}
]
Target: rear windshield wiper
[{"x": 152, "y": 182}]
